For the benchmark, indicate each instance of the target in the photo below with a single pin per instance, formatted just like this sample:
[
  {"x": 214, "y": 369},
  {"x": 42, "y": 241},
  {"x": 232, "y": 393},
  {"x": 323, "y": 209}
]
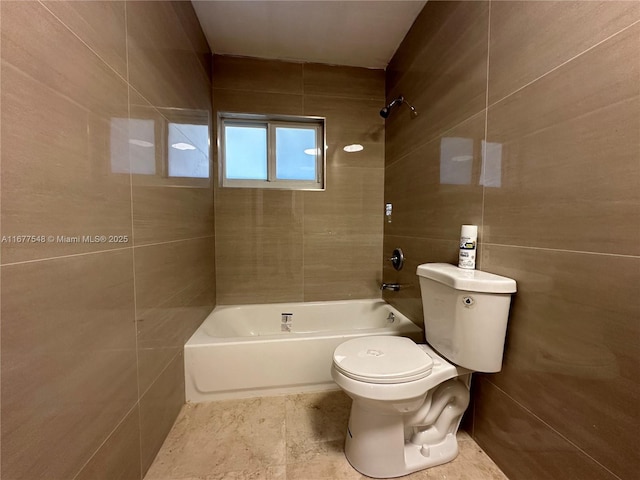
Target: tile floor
[{"x": 293, "y": 437}]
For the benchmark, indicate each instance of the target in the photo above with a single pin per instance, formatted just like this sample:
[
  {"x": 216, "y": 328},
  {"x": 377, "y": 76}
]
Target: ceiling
[{"x": 352, "y": 32}]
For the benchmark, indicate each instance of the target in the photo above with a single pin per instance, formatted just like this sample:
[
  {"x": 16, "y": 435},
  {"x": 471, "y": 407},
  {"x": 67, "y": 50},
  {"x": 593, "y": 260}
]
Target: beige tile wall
[
  {"x": 286, "y": 246},
  {"x": 92, "y": 333},
  {"x": 554, "y": 87}
]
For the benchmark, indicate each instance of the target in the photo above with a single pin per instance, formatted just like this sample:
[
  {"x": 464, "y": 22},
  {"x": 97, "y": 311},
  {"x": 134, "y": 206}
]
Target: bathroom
[{"x": 543, "y": 95}]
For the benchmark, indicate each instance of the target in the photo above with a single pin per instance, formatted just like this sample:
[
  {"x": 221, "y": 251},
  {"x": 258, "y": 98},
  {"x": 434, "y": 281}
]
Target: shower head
[{"x": 384, "y": 113}]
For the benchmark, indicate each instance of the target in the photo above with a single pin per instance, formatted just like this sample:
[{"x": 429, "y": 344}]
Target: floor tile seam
[
  {"x": 557, "y": 67},
  {"x": 556, "y": 432}
]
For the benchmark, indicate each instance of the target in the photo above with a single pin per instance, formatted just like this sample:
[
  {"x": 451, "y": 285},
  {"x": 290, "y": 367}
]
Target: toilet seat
[{"x": 382, "y": 360}]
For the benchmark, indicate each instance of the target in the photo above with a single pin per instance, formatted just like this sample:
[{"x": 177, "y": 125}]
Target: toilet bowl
[{"x": 408, "y": 398}]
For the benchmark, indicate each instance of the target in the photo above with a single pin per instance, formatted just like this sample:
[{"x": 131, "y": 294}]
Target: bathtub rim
[{"x": 402, "y": 325}]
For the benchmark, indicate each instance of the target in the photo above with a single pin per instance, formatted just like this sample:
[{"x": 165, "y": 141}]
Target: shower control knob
[{"x": 397, "y": 259}]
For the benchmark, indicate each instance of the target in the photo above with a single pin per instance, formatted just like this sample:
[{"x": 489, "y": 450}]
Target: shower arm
[{"x": 384, "y": 113}]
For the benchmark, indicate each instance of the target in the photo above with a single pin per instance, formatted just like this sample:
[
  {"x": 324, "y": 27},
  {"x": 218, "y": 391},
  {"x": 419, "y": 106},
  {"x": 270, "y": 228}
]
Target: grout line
[
  {"x": 250, "y": 90},
  {"x": 7, "y": 64},
  {"x": 0, "y": 243},
  {"x": 104, "y": 251},
  {"x": 564, "y": 63},
  {"x": 83, "y": 42},
  {"x": 526, "y": 247},
  {"x": 173, "y": 241},
  {"x": 46, "y": 259},
  {"x": 483, "y": 151},
  {"x": 323, "y": 95},
  {"x": 133, "y": 243},
  {"x": 107, "y": 64},
  {"x": 437, "y": 136},
  {"x": 523, "y": 407},
  {"x": 585, "y": 252},
  {"x": 155, "y": 379},
  {"x": 303, "y": 195},
  {"x": 107, "y": 439}
]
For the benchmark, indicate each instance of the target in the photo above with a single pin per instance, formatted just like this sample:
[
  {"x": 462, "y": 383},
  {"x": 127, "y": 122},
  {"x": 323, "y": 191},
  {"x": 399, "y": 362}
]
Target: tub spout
[{"x": 394, "y": 287}]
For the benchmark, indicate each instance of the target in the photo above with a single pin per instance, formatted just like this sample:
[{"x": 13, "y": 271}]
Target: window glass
[
  {"x": 296, "y": 151},
  {"x": 271, "y": 151},
  {"x": 246, "y": 152}
]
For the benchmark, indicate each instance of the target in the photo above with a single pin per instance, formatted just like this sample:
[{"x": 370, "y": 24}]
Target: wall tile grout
[
  {"x": 44, "y": 259},
  {"x": 436, "y": 137},
  {"x": 486, "y": 129},
  {"x": 136, "y": 404},
  {"x": 135, "y": 294},
  {"x": 583, "y": 252},
  {"x": 81, "y": 40},
  {"x": 557, "y": 67},
  {"x": 523, "y": 407},
  {"x": 529, "y": 247}
]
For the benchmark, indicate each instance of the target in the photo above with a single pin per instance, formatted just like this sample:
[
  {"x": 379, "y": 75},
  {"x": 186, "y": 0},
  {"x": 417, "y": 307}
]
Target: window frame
[{"x": 272, "y": 122}]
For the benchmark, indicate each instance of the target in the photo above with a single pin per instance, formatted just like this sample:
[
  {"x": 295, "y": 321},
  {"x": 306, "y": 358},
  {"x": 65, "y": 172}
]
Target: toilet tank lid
[{"x": 465, "y": 279}]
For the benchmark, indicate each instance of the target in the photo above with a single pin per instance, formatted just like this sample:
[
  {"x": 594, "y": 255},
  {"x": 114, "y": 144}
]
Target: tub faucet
[{"x": 394, "y": 287}]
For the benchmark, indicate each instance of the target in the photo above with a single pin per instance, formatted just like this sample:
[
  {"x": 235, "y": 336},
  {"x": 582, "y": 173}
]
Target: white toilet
[{"x": 408, "y": 399}]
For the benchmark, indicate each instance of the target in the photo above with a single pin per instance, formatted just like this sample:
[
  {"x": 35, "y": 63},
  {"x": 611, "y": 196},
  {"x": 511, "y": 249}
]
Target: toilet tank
[{"x": 465, "y": 314}]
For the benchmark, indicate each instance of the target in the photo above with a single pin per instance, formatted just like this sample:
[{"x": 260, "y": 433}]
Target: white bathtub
[{"x": 241, "y": 351}]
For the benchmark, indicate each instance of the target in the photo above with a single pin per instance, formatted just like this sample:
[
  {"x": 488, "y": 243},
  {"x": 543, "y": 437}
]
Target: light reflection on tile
[
  {"x": 441, "y": 69},
  {"x": 430, "y": 202},
  {"x": 65, "y": 119},
  {"x": 570, "y": 170},
  {"x": 280, "y": 245},
  {"x": 162, "y": 64}
]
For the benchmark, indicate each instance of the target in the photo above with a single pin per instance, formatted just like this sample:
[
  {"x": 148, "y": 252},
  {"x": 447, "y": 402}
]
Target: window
[{"x": 266, "y": 151}]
